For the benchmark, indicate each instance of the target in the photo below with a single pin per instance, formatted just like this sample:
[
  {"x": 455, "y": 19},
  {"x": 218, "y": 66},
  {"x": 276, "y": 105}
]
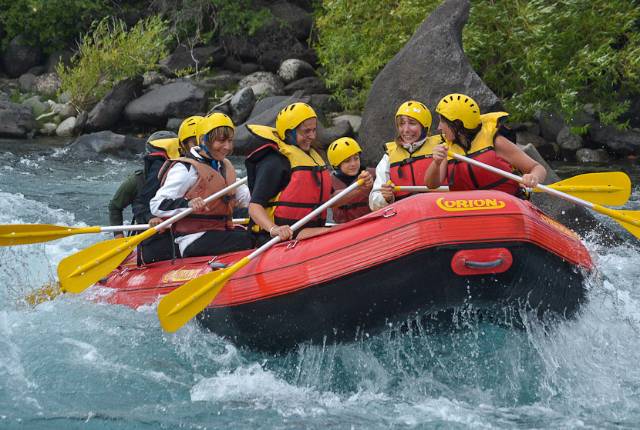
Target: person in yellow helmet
[
  {"x": 467, "y": 132},
  {"x": 407, "y": 157},
  {"x": 188, "y": 133},
  {"x": 344, "y": 157},
  {"x": 287, "y": 177},
  {"x": 208, "y": 230}
]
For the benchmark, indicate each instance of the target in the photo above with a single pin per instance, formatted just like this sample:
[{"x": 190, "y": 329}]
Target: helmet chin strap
[
  {"x": 290, "y": 137},
  {"x": 215, "y": 164}
]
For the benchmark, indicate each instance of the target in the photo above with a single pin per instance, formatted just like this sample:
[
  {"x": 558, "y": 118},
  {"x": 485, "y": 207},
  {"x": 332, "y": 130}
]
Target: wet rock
[
  {"x": 15, "y": 120},
  {"x": 108, "y": 111},
  {"x": 431, "y": 65},
  {"x": 586, "y": 155},
  {"x": 620, "y": 142},
  {"x": 177, "y": 99},
  {"x": 568, "y": 141},
  {"x": 308, "y": 86},
  {"x": 105, "y": 142}
]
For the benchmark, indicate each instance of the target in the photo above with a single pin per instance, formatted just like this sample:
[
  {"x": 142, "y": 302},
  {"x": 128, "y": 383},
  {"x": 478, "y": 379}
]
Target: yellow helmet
[
  {"x": 459, "y": 106},
  {"x": 292, "y": 116},
  {"x": 188, "y": 128},
  {"x": 417, "y": 111},
  {"x": 166, "y": 141},
  {"x": 212, "y": 121},
  {"x": 341, "y": 149}
]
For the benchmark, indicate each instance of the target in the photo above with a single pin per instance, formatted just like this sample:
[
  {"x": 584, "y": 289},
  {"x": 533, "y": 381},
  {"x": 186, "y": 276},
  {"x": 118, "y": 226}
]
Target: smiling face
[
  {"x": 306, "y": 133},
  {"x": 409, "y": 130},
  {"x": 446, "y": 130},
  {"x": 351, "y": 166},
  {"x": 220, "y": 143}
]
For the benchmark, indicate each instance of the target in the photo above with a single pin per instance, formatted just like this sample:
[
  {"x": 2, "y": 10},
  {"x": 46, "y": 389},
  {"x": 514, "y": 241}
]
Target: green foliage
[
  {"x": 110, "y": 53},
  {"x": 356, "y": 40},
  {"x": 543, "y": 54},
  {"x": 240, "y": 16},
  {"x": 535, "y": 54},
  {"x": 50, "y": 24}
]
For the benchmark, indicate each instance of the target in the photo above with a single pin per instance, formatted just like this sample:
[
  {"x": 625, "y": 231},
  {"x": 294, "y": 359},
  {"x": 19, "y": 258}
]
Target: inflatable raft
[{"x": 426, "y": 253}]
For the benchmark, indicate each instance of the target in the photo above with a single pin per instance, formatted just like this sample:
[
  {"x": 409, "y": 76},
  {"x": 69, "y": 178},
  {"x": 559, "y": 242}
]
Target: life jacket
[
  {"x": 216, "y": 215},
  {"x": 357, "y": 207},
  {"x": 465, "y": 176},
  {"x": 309, "y": 185},
  {"x": 408, "y": 169}
]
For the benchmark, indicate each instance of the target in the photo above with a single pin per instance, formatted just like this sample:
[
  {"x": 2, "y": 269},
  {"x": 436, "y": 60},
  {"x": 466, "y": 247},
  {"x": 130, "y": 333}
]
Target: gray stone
[
  {"x": 48, "y": 129},
  {"x": 249, "y": 68},
  {"x": 26, "y": 82},
  {"x": 431, "y": 65},
  {"x": 550, "y": 124},
  {"x": 549, "y": 150},
  {"x": 619, "y": 142},
  {"x": 569, "y": 141},
  {"x": 265, "y": 89},
  {"x": 152, "y": 77},
  {"x": 586, "y": 155},
  {"x": 173, "y": 124},
  {"x": 37, "y": 106},
  {"x": 268, "y": 78},
  {"x": 57, "y": 57},
  {"x": 324, "y": 103},
  {"x": 308, "y": 86},
  {"x": 296, "y": 19},
  {"x": 19, "y": 57},
  {"x": 15, "y": 120},
  {"x": 64, "y": 110},
  {"x": 178, "y": 99},
  {"x": 47, "y": 84},
  {"x": 293, "y": 69},
  {"x": 267, "y": 103},
  {"x": 241, "y": 105},
  {"x": 108, "y": 111},
  {"x": 66, "y": 127},
  {"x": 105, "y": 142},
  {"x": 326, "y": 135},
  {"x": 354, "y": 120}
]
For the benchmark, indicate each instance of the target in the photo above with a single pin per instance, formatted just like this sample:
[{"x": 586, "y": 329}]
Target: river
[{"x": 70, "y": 363}]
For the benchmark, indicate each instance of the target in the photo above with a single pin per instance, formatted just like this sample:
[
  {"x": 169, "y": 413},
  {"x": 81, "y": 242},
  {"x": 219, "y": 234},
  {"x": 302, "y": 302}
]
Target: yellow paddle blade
[
  {"x": 23, "y": 234},
  {"x": 606, "y": 188},
  {"x": 630, "y": 220},
  {"x": 79, "y": 271},
  {"x": 182, "y": 304}
]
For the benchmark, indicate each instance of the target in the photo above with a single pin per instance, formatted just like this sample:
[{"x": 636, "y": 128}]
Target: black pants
[
  {"x": 218, "y": 242},
  {"x": 158, "y": 247}
]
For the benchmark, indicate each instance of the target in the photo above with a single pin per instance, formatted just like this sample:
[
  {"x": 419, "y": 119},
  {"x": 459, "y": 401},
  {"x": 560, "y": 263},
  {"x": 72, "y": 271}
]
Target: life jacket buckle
[
  {"x": 389, "y": 212},
  {"x": 292, "y": 244}
]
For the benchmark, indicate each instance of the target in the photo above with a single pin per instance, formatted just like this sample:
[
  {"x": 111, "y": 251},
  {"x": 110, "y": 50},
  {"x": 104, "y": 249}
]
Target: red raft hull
[{"x": 427, "y": 253}]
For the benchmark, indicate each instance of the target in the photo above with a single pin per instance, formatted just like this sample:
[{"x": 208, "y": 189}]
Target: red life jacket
[
  {"x": 216, "y": 215},
  {"x": 465, "y": 176},
  {"x": 408, "y": 169},
  {"x": 355, "y": 208},
  {"x": 309, "y": 184}
]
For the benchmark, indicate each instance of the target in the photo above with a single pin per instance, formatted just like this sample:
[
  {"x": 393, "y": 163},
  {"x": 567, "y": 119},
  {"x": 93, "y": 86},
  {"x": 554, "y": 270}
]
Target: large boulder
[
  {"x": 19, "y": 57},
  {"x": 431, "y": 65},
  {"x": 620, "y": 142},
  {"x": 108, "y": 111},
  {"x": 15, "y": 120},
  {"x": 105, "y": 142},
  {"x": 178, "y": 99}
]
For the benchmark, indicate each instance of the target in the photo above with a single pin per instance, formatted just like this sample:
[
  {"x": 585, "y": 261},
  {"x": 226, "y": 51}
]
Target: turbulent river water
[{"x": 70, "y": 363}]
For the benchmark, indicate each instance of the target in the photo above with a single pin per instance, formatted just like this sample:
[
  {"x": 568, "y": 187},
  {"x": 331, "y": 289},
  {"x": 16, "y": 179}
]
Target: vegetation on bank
[{"x": 534, "y": 54}]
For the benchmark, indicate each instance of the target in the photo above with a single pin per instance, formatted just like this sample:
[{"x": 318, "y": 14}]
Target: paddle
[
  {"x": 83, "y": 269},
  {"x": 606, "y": 188},
  {"x": 184, "y": 303},
  {"x": 630, "y": 220},
  {"x": 23, "y": 234}
]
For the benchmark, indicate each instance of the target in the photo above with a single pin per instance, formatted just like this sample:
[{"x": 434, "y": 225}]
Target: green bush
[
  {"x": 50, "y": 24},
  {"x": 532, "y": 53},
  {"x": 110, "y": 53}
]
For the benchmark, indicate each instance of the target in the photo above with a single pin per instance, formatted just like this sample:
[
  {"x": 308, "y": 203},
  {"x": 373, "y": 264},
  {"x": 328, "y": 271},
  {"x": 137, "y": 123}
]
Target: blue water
[{"x": 70, "y": 363}]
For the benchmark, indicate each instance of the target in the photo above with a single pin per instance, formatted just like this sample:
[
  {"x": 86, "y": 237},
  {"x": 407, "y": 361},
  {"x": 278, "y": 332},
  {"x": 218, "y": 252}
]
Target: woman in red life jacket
[
  {"x": 407, "y": 158},
  {"x": 287, "y": 177},
  {"x": 344, "y": 157},
  {"x": 476, "y": 136},
  {"x": 208, "y": 230}
]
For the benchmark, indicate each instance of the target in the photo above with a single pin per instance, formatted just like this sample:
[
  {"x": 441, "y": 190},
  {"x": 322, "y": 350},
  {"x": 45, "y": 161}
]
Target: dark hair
[{"x": 464, "y": 136}]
